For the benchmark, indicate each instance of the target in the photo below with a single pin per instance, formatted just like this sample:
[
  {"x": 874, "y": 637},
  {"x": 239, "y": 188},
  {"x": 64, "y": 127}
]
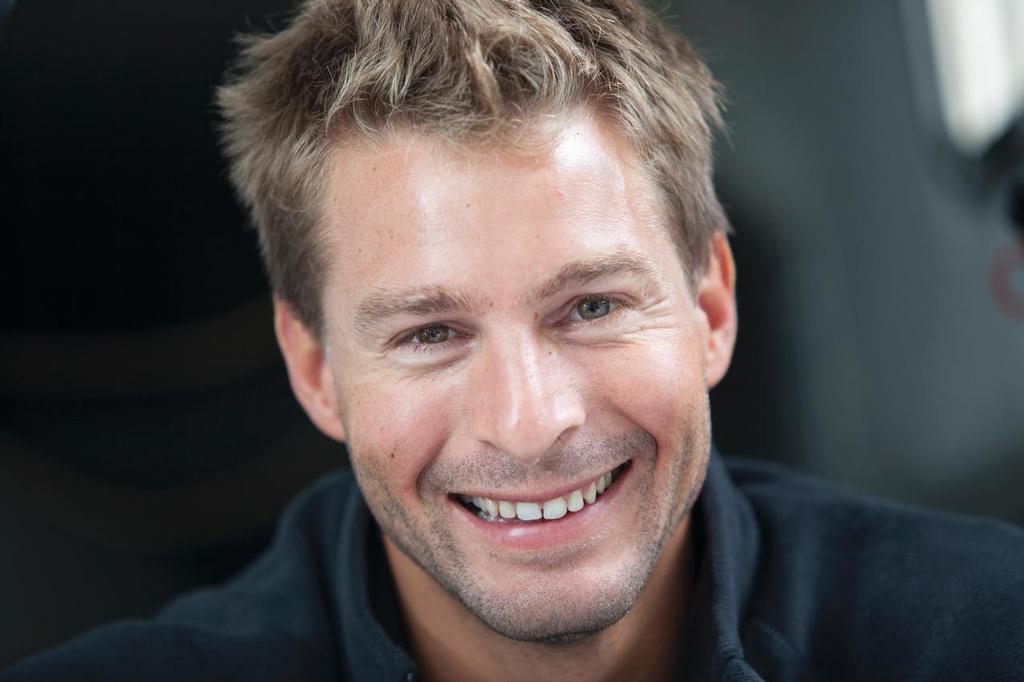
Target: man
[{"x": 502, "y": 278}]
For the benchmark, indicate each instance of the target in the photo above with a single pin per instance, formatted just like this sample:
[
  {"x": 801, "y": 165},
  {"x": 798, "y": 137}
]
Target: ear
[
  {"x": 716, "y": 298},
  {"x": 308, "y": 371}
]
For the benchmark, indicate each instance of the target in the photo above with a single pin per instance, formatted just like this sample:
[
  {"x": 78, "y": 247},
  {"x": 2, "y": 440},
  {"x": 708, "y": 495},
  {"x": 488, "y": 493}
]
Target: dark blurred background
[{"x": 874, "y": 173}]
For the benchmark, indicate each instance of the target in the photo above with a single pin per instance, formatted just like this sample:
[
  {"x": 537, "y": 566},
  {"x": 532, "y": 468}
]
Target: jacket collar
[
  {"x": 369, "y": 651},
  {"x": 728, "y": 532}
]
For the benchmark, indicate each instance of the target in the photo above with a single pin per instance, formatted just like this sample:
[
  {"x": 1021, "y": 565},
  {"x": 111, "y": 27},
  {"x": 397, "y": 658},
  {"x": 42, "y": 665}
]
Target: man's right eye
[{"x": 434, "y": 334}]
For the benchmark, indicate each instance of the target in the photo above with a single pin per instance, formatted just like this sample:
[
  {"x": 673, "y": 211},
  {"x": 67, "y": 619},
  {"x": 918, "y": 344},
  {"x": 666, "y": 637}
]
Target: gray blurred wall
[{"x": 876, "y": 354}]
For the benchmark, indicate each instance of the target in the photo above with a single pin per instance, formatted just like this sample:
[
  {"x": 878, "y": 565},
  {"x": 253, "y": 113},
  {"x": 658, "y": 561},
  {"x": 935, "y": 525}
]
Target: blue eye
[
  {"x": 593, "y": 308},
  {"x": 434, "y": 334}
]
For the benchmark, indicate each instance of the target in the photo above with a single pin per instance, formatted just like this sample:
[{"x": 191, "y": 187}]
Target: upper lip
[{"x": 534, "y": 496}]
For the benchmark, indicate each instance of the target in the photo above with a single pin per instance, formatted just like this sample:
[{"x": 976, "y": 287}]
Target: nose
[{"x": 523, "y": 397}]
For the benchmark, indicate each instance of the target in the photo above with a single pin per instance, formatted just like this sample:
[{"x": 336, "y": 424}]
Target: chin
[
  {"x": 563, "y": 606},
  {"x": 561, "y": 620}
]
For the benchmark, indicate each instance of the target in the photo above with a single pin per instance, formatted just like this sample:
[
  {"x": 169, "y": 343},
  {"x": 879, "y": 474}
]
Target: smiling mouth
[{"x": 497, "y": 511}]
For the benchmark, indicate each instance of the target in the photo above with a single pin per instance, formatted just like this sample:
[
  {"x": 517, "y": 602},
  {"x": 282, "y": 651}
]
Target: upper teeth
[{"x": 552, "y": 509}]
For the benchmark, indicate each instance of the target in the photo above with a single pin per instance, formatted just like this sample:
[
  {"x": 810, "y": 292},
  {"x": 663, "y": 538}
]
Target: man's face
[{"x": 512, "y": 327}]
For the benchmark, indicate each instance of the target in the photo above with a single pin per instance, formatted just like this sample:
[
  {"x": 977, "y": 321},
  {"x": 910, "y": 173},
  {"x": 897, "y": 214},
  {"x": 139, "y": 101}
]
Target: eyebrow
[
  {"x": 383, "y": 304},
  {"x": 578, "y": 273}
]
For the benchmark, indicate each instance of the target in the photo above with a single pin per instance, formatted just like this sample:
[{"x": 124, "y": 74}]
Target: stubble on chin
[{"x": 549, "y": 613}]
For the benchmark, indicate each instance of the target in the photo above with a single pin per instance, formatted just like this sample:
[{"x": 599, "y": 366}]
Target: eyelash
[{"x": 405, "y": 340}]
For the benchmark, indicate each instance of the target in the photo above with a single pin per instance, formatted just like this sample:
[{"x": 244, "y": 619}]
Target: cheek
[
  {"x": 658, "y": 386},
  {"x": 395, "y": 434}
]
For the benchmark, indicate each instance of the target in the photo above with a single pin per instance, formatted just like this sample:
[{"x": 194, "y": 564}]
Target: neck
[{"x": 450, "y": 643}]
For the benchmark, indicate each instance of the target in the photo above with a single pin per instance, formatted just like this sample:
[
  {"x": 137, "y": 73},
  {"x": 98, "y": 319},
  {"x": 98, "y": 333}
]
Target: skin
[{"x": 492, "y": 380}]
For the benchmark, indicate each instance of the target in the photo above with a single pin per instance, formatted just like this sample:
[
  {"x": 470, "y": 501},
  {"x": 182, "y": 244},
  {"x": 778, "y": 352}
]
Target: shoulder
[
  {"x": 271, "y": 622},
  {"x": 807, "y": 510},
  {"x": 887, "y": 587}
]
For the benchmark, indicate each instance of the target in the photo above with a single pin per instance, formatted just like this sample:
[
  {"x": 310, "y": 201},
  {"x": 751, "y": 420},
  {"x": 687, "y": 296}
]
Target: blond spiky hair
[{"x": 467, "y": 71}]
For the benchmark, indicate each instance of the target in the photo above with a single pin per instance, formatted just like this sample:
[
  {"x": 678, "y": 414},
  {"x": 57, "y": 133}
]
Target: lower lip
[{"x": 571, "y": 529}]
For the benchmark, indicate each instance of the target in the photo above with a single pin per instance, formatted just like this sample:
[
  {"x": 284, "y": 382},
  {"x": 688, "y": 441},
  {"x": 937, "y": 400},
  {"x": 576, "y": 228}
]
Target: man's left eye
[{"x": 593, "y": 308}]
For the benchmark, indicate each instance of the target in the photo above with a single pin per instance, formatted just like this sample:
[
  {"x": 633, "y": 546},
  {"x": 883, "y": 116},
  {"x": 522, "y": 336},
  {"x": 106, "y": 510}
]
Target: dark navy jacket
[{"x": 798, "y": 581}]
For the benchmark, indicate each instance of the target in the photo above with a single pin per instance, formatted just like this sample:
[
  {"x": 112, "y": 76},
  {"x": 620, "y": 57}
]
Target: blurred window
[{"x": 979, "y": 49}]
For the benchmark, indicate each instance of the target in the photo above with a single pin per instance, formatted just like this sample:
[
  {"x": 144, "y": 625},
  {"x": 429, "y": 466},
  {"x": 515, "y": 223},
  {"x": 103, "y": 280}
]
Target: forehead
[{"x": 415, "y": 211}]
